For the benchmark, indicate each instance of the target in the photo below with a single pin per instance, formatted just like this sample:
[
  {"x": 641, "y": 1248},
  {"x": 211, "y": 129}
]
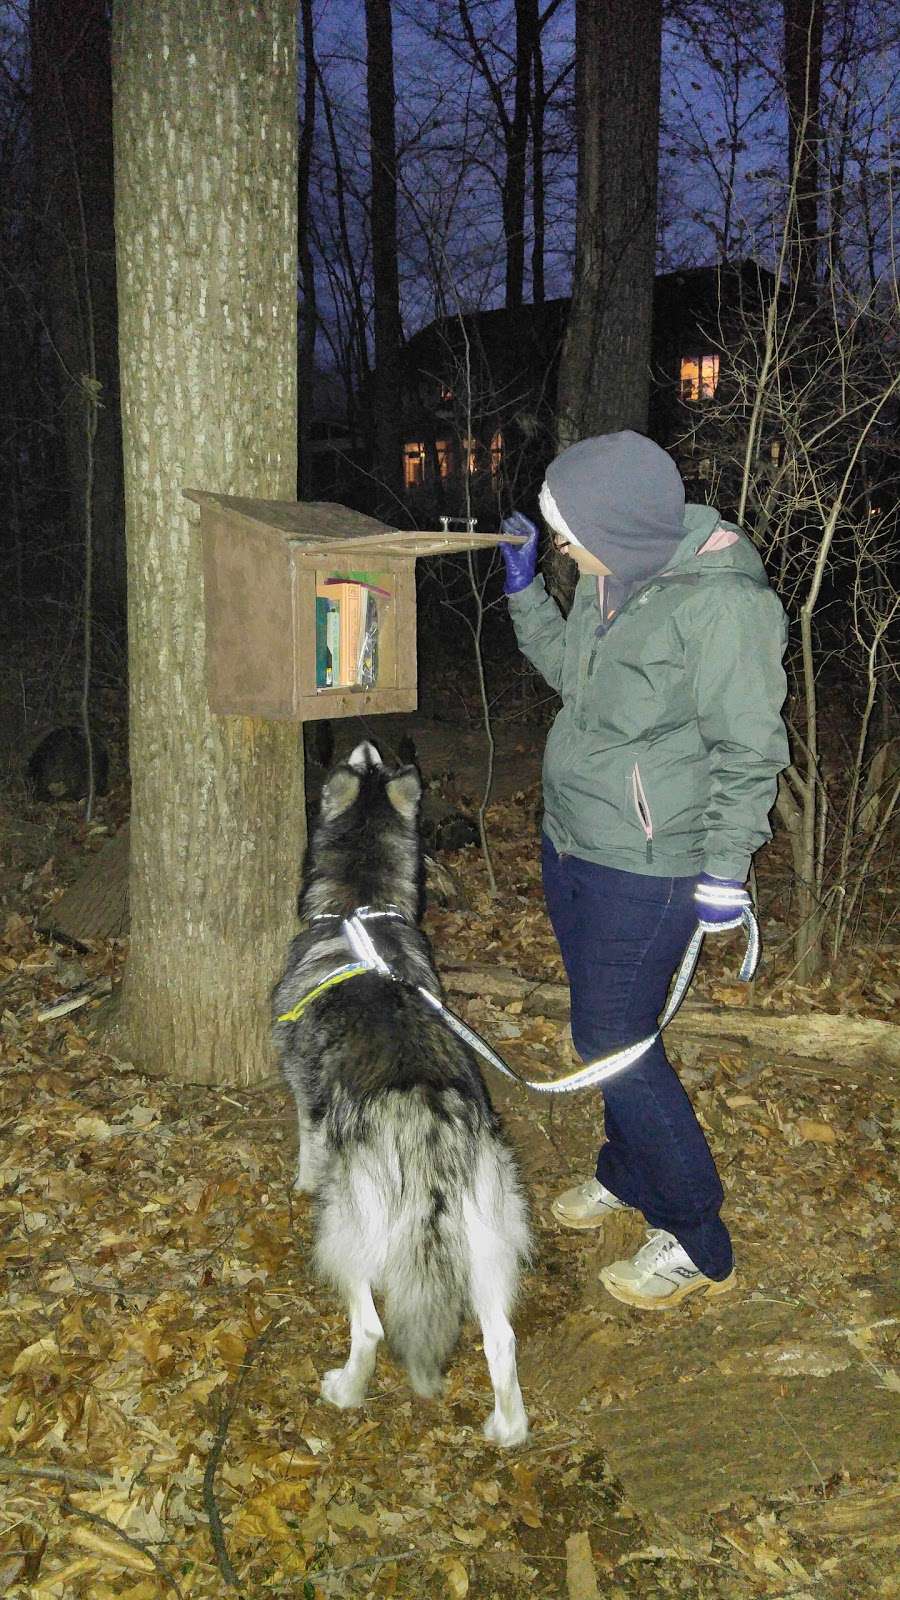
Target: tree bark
[
  {"x": 205, "y": 123},
  {"x": 604, "y": 380},
  {"x": 385, "y": 271},
  {"x": 73, "y": 156}
]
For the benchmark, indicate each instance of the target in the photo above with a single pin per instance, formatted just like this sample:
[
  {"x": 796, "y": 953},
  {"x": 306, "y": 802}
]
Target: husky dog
[{"x": 417, "y": 1196}]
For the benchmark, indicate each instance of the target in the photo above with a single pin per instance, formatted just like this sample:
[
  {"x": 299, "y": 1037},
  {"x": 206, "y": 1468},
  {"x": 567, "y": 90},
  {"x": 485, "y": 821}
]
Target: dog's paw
[
  {"x": 339, "y": 1390},
  {"x": 504, "y": 1432}
]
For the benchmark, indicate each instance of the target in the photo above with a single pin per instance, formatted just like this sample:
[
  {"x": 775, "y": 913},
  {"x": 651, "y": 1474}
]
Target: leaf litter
[{"x": 162, "y": 1338}]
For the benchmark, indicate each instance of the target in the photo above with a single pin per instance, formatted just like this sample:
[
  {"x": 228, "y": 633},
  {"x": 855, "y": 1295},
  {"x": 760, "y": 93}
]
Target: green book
[{"x": 327, "y": 624}]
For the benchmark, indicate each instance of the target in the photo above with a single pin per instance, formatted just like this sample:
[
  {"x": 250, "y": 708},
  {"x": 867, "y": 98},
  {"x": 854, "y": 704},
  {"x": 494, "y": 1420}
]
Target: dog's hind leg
[
  {"x": 346, "y": 1386},
  {"x": 310, "y": 1155},
  {"x": 507, "y": 1425},
  {"x": 493, "y": 1275}
]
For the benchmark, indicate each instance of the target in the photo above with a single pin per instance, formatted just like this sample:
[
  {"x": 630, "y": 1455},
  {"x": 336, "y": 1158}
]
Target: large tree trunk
[
  {"x": 205, "y": 118},
  {"x": 604, "y": 380},
  {"x": 385, "y": 273},
  {"x": 73, "y": 151},
  {"x": 803, "y": 23}
]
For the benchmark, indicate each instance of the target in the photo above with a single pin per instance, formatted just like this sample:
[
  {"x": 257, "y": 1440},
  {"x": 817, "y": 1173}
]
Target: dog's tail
[{"x": 422, "y": 1316}]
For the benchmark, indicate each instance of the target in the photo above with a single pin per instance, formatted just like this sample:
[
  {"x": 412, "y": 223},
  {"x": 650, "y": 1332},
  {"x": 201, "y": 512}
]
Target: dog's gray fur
[{"x": 417, "y": 1195}]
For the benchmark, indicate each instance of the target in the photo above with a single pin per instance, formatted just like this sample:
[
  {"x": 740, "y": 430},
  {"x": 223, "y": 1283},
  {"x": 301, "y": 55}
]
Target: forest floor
[{"x": 163, "y": 1339}]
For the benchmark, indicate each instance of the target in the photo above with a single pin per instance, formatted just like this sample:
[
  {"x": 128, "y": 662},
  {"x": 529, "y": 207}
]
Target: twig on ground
[
  {"x": 78, "y": 1479},
  {"x": 69, "y": 1509},
  {"x": 216, "y": 1527}
]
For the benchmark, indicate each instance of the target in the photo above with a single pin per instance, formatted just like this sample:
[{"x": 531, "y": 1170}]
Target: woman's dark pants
[{"x": 622, "y": 936}]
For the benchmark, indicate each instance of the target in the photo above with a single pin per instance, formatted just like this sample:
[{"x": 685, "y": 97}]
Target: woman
[{"x": 659, "y": 774}]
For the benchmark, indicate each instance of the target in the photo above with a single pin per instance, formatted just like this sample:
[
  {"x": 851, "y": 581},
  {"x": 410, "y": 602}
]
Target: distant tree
[
  {"x": 24, "y": 414},
  {"x": 803, "y": 25},
  {"x": 721, "y": 93},
  {"x": 388, "y": 330},
  {"x": 343, "y": 256},
  {"x": 604, "y": 380},
  {"x": 205, "y": 112},
  {"x": 72, "y": 123},
  {"x": 529, "y": 94},
  {"x": 309, "y": 316}
]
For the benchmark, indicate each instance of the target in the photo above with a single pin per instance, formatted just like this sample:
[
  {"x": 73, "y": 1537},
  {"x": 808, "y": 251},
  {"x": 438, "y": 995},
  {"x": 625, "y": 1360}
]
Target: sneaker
[
  {"x": 661, "y": 1275},
  {"x": 586, "y": 1206}
]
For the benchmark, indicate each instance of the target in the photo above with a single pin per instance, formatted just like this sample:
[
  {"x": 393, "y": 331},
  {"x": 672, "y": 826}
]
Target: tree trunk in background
[
  {"x": 515, "y": 184},
  {"x": 604, "y": 377},
  {"x": 803, "y": 22},
  {"x": 308, "y": 307},
  {"x": 351, "y": 340},
  {"x": 538, "y": 190},
  {"x": 604, "y": 381},
  {"x": 385, "y": 273},
  {"x": 514, "y": 131},
  {"x": 205, "y": 114},
  {"x": 72, "y": 110}
]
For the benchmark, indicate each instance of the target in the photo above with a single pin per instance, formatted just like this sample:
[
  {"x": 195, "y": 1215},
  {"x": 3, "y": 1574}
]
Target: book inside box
[{"x": 354, "y": 616}]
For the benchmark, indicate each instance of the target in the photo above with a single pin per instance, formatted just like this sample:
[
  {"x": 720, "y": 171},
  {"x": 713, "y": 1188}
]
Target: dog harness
[{"x": 588, "y": 1076}]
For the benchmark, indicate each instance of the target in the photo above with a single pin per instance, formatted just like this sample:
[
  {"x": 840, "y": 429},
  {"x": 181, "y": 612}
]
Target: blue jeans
[{"x": 622, "y": 936}]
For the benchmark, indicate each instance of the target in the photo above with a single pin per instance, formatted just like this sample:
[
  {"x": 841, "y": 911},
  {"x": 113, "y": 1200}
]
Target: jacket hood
[
  {"x": 700, "y": 550},
  {"x": 622, "y": 498}
]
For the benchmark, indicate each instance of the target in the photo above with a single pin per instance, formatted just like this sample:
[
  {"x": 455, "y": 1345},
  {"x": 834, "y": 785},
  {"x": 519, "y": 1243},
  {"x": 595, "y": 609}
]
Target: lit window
[
  {"x": 413, "y": 464},
  {"x": 497, "y": 456},
  {"x": 699, "y": 376},
  {"x": 470, "y": 450},
  {"x": 443, "y": 449}
]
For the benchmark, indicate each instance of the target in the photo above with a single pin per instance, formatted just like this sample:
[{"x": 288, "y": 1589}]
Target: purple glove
[
  {"x": 720, "y": 903},
  {"x": 520, "y": 560}
]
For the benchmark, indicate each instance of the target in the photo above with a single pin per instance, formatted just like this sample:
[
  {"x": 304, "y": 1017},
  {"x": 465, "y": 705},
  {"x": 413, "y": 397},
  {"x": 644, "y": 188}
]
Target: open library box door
[{"x": 311, "y": 607}]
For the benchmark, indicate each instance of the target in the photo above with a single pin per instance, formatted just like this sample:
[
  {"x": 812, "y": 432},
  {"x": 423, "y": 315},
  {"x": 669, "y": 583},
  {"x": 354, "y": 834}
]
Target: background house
[{"x": 479, "y": 389}]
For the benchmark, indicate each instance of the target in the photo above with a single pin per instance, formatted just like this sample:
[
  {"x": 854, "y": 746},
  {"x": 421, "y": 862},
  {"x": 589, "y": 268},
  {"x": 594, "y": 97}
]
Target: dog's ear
[
  {"x": 404, "y": 792},
  {"x": 365, "y": 755},
  {"x": 339, "y": 793}
]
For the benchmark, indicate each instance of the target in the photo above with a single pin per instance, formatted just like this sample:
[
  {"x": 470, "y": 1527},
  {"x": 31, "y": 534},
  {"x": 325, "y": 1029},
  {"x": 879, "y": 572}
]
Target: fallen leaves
[
  {"x": 147, "y": 1237},
  {"x": 816, "y": 1132},
  {"x": 581, "y": 1575}
]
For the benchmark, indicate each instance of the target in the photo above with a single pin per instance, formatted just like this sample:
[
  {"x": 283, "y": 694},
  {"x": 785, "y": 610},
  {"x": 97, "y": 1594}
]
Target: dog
[{"x": 417, "y": 1195}]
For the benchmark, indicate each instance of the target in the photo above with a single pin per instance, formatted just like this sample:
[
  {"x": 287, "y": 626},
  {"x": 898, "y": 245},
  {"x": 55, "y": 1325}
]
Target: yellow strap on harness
[{"x": 341, "y": 976}]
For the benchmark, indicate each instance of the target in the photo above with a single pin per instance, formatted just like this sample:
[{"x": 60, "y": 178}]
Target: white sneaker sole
[
  {"x": 710, "y": 1287},
  {"x": 594, "y": 1219}
]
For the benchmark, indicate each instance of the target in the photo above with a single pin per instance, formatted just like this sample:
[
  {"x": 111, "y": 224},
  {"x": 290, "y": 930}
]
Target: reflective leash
[
  {"x": 586, "y": 1077},
  {"x": 605, "y": 1067}
]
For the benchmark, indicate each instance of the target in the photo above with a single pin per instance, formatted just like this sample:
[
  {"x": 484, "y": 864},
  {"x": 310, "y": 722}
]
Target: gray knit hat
[{"x": 622, "y": 498}]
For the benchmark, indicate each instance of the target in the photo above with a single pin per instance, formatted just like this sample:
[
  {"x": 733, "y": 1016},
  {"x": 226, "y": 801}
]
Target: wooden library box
[{"x": 311, "y": 607}]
